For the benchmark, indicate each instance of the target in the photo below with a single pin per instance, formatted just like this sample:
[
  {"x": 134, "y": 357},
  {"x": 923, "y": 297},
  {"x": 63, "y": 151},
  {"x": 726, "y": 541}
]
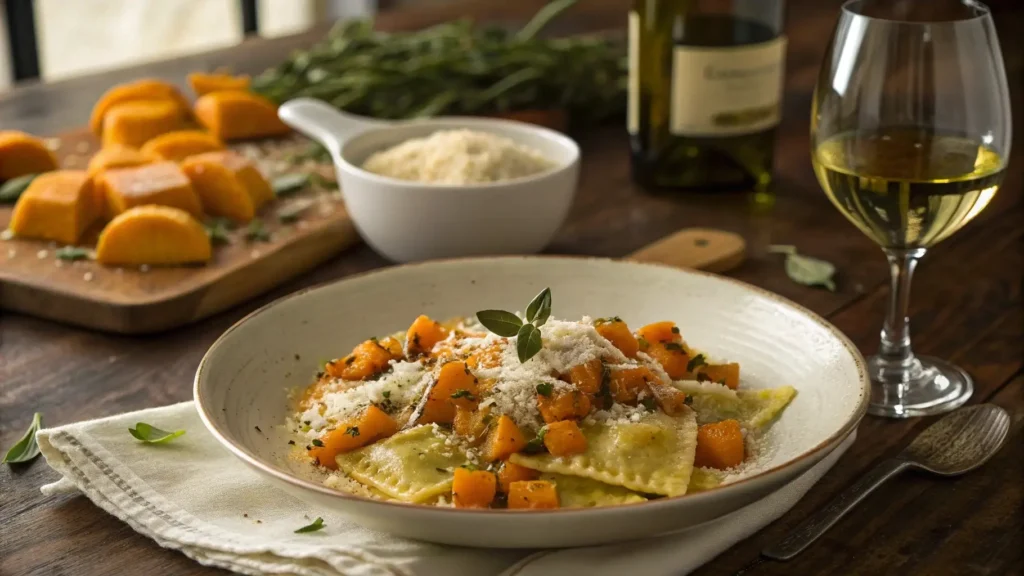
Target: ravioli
[
  {"x": 754, "y": 409},
  {"x": 412, "y": 466},
  {"x": 654, "y": 455},
  {"x": 704, "y": 479},
  {"x": 578, "y": 492}
]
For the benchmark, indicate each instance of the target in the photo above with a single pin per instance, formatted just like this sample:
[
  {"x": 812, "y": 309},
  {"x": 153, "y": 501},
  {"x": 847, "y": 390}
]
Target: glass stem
[{"x": 897, "y": 358}]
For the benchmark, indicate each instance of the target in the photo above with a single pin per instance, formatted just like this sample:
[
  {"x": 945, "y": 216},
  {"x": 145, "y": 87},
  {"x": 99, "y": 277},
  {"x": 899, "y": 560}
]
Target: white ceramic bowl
[
  {"x": 408, "y": 221},
  {"x": 241, "y": 382}
]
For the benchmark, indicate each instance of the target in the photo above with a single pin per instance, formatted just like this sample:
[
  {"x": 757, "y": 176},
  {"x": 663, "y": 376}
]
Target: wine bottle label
[
  {"x": 726, "y": 91},
  {"x": 633, "y": 104}
]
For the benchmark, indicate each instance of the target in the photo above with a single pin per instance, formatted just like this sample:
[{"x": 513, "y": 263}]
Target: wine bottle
[{"x": 705, "y": 86}]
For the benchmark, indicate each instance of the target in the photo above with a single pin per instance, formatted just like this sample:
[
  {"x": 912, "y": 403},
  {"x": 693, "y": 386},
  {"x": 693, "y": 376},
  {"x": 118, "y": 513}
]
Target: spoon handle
[{"x": 813, "y": 527}]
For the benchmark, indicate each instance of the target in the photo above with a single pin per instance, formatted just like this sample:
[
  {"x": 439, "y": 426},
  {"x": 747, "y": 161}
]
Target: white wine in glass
[{"x": 910, "y": 134}]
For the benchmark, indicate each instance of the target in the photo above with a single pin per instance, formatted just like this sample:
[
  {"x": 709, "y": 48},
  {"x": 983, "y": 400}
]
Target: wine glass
[{"x": 910, "y": 135}]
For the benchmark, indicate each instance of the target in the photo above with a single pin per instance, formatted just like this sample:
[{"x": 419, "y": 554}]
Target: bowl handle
[{"x": 324, "y": 123}]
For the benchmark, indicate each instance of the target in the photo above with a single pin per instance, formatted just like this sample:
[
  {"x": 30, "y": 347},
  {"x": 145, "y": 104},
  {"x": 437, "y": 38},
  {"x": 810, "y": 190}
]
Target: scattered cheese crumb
[
  {"x": 7, "y": 234},
  {"x": 58, "y": 263},
  {"x": 42, "y": 254},
  {"x": 144, "y": 268},
  {"x": 87, "y": 276},
  {"x": 11, "y": 253}
]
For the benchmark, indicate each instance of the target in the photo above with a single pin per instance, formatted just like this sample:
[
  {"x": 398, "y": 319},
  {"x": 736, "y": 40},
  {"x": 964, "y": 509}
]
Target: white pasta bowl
[
  {"x": 241, "y": 384},
  {"x": 410, "y": 221}
]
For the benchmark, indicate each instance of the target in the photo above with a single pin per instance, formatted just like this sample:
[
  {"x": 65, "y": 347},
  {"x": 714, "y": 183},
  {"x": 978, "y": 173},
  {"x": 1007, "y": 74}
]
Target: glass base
[{"x": 926, "y": 386}]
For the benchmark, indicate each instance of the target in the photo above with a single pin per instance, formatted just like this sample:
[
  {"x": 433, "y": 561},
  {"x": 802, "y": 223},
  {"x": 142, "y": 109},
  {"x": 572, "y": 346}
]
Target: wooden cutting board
[{"x": 134, "y": 301}]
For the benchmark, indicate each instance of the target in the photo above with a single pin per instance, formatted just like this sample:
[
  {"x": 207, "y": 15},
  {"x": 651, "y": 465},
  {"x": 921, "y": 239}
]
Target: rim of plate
[{"x": 252, "y": 460}]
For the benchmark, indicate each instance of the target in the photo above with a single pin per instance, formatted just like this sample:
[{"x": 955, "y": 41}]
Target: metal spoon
[{"x": 958, "y": 443}]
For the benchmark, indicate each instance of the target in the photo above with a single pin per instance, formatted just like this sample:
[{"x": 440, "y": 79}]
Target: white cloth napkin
[{"x": 192, "y": 495}]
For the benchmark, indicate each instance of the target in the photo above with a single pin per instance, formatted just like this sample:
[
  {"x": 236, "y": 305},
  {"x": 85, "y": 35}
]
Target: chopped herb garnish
[
  {"x": 722, "y": 382},
  {"x": 256, "y": 231},
  {"x": 463, "y": 393},
  {"x": 536, "y": 444},
  {"x": 649, "y": 403},
  {"x": 675, "y": 329},
  {"x": 25, "y": 448},
  {"x": 607, "y": 320},
  {"x": 688, "y": 401},
  {"x": 470, "y": 467},
  {"x": 695, "y": 362},
  {"x": 317, "y": 524},
  {"x": 284, "y": 185},
  {"x": 292, "y": 213},
  {"x": 217, "y": 229},
  {"x": 11, "y": 190},
  {"x": 258, "y": 429},
  {"x": 441, "y": 470},
  {"x": 153, "y": 435},
  {"x": 605, "y": 393},
  {"x": 386, "y": 394},
  {"x": 545, "y": 389},
  {"x": 71, "y": 253},
  {"x": 643, "y": 343},
  {"x": 673, "y": 346},
  {"x": 291, "y": 442},
  {"x": 702, "y": 377},
  {"x": 316, "y": 442},
  {"x": 352, "y": 431}
]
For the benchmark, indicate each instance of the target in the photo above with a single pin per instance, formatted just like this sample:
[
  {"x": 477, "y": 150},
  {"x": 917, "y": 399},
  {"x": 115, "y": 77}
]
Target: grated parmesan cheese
[{"x": 458, "y": 157}]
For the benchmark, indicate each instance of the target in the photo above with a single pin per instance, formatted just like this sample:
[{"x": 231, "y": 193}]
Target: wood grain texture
[
  {"x": 128, "y": 300},
  {"x": 966, "y": 307}
]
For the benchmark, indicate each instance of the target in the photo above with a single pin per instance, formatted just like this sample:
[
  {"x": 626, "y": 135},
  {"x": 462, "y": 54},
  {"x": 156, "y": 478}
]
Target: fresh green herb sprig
[
  {"x": 457, "y": 68},
  {"x": 536, "y": 444},
  {"x": 289, "y": 183},
  {"x": 150, "y": 434},
  {"x": 317, "y": 524},
  {"x": 71, "y": 253},
  {"x": 805, "y": 269},
  {"x": 507, "y": 324},
  {"x": 12, "y": 189},
  {"x": 218, "y": 229},
  {"x": 256, "y": 231},
  {"x": 26, "y": 448}
]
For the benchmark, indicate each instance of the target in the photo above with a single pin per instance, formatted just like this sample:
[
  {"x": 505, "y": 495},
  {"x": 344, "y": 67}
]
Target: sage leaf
[
  {"x": 810, "y": 271},
  {"x": 150, "y": 434},
  {"x": 695, "y": 362},
  {"x": 540, "y": 305},
  {"x": 284, "y": 185},
  {"x": 11, "y": 190},
  {"x": 317, "y": 524},
  {"x": 26, "y": 448},
  {"x": 71, "y": 253},
  {"x": 256, "y": 231},
  {"x": 500, "y": 322},
  {"x": 528, "y": 342},
  {"x": 217, "y": 229},
  {"x": 292, "y": 213}
]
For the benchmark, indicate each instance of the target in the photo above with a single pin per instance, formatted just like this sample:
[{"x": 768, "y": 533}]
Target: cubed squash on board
[
  {"x": 180, "y": 144},
  {"x": 203, "y": 83},
  {"x": 22, "y": 154},
  {"x": 233, "y": 115},
  {"x": 259, "y": 189},
  {"x": 115, "y": 156},
  {"x": 163, "y": 184},
  {"x": 219, "y": 190},
  {"x": 58, "y": 205},
  {"x": 155, "y": 236},
  {"x": 135, "y": 123},
  {"x": 145, "y": 89},
  {"x": 535, "y": 494}
]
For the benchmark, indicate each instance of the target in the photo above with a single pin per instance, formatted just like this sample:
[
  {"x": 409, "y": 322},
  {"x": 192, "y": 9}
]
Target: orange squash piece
[
  {"x": 672, "y": 357},
  {"x": 423, "y": 335},
  {"x": 660, "y": 332},
  {"x": 564, "y": 438},
  {"x": 728, "y": 374},
  {"x": 617, "y": 332},
  {"x": 455, "y": 386},
  {"x": 626, "y": 384},
  {"x": 473, "y": 488},
  {"x": 146, "y": 89},
  {"x": 163, "y": 184},
  {"x": 220, "y": 192},
  {"x": 472, "y": 423},
  {"x": 719, "y": 445},
  {"x": 532, "y": 494},
  {"x": 232, "y": 115},
  {"x": 203, "y": 83},
  {"x": 57, "y": 206},
  {"x": 511, "y": 472},
  {"x": 180, "y": 144},
  {"x": 670, "y": 400},
  {"x": 153, "y": 235},
  {"x": 115, "y": 156},
  {"x": 504, "y": 440},
  {"x": 135, "y": 123},
  {"x": 367, "y": 359},
  {"x": 22, "y": 154},
  {"x": 587, "y": 377},
  {"x": 489, "y": 357},
  {"x": 563, "y": 405},
  {"x": 245, "y": 171},
  {"x": 370, "y": 426}
]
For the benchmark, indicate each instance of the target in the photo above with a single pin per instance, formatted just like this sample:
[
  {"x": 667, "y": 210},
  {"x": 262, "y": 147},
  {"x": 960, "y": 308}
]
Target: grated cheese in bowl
[{"x": 458, "y": 157}]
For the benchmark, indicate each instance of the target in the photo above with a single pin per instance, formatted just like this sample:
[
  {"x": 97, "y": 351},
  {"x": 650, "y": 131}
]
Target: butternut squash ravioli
[{"x": 446, "y": 414}]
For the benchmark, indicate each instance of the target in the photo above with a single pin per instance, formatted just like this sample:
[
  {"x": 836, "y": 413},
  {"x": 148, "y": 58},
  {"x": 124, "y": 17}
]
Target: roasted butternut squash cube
[
  {"x": 473, "y": 488},
  {"x": 727, "y": 374},
  {"x": 115, "y": 156},
  {"x": 163, "y": 184},
  {"x": 672, "y": 356},
  {"x": 145, "y": 89},
  {"x": 617, "y": 332},
  {"x": 153, "y": 235},
  {"x": 57, "y": 206},
  {"x": 511, "y": 472},
  {"x": 670, "y": 400},
  {"x": 135, "y": 123},
  {"x": 367, "y": 359},
  {"x": 219, "y": 190},
  {"x": 472, "y": 423},
  {"x": 180, "y": 144},
  {"x": 564, "y": 438},
  {"x": 455, "y": 386},
  {"x": 587, "y": 376},
  {"x": 626, "y": 384},
  {"x": 719, "y": 445},
  {"x": 203, "y": 83},
  {"x": 22, "y": 154},
  {"x": 245, "y": 171},
  {"x": 370, "y": 426},
  {"x": 660, "y": 332},
  {"x": 423, "y": 335},
  {"x": 504, "y": 440},
  {"x": 234, "y": 115},
  {"x": 563, "y": 405},
  {"x": 535, "y": 494}
]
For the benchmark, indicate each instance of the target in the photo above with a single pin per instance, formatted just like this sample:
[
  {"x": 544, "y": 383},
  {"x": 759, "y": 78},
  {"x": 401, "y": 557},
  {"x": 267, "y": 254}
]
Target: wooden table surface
[{"x": 966, "y": 307}]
